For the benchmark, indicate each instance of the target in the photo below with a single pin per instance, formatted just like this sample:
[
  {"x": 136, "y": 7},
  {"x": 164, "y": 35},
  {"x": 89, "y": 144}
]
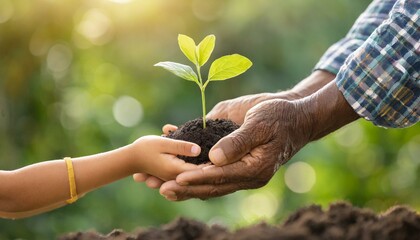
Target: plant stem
[
  {"x": 203, "y": 96},
  {"x": 203, "y": 102}
]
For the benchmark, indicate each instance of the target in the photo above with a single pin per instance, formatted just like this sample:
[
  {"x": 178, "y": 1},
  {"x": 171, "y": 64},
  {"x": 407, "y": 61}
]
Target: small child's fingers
[
  {"x": 153, "y": 182},
  {"x": 179, "y": 166},
  {"x": 140, "y": 177},
  {"x": 203, "y": 165},
  {"x": 169, "y": 128},
  {"x": 179, "y": 147},
  {"x": 170, "y": 166}
]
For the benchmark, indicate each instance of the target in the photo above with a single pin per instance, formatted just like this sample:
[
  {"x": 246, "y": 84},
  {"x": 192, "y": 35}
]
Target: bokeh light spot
[
  {"x": 300, "y": 177},
  {"x": 413, "y": 150},
  {"x": 351, "y": 136},
  {"x": 366, "y": 161},
  {"x": 127, "y": 111},
  {"x": 6, "y": 11},
  {"x": 402, "y": 177},
  {"x": 59, "y": 58},
  {"x": 95, "y": 26},
  {"x": 259, "y": 205},
  {"x": 403, "y": 174}
]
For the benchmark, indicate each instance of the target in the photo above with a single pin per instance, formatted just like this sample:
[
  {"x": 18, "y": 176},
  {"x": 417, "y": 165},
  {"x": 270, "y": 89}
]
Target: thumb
[
  {"x": 179, "y": 147},
  {"x": 232, "y": 147}
]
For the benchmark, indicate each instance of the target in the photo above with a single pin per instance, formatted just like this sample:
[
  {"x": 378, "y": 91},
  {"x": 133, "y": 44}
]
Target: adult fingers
[
  {"x": 233, "y": 147},
  {"x": 219, "y": 111},
  {"x": 168, "y": 128},
  {"x": 174, "y": 192},
  {"x": 213, "y": 181},
  {"x": 236, "y": 172}
]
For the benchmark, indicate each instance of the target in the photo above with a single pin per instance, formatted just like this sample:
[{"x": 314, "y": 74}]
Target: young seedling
[{"x": 223, "y": 68}]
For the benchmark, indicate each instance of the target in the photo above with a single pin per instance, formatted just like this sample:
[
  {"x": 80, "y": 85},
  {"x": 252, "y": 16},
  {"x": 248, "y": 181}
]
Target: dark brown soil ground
[
  {"x": 341, "y": 221},
  {"x": 193, "y": 131}
]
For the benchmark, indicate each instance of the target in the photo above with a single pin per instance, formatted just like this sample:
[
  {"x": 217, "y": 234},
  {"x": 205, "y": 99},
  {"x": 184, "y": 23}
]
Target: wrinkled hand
[
  {"x": 236, "y": 109},
  {"x": 273, "y": 131}
]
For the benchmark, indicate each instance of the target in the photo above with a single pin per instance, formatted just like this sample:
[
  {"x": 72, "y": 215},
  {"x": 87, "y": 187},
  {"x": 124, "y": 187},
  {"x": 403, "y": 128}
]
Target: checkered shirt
[{"x": 378, "y": 65}]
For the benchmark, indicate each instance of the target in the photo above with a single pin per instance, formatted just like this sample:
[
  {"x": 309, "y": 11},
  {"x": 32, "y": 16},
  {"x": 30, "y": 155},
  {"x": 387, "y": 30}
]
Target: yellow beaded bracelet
[{"x": 72, "y": 181}]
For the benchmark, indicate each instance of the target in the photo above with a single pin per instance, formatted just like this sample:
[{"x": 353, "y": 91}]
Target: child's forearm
[
  {"x": 44, "y": 186},
  {"x": 100, "y": 169}
]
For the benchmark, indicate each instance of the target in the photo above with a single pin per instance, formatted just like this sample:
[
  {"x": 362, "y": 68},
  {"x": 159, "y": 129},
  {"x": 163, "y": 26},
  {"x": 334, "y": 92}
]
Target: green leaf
[
  {"x": 205, "y": 48},
  {"x": 187, "y": 46},
  {"x": 228, "y": 67},
  {"x": 181, "y": 70}
]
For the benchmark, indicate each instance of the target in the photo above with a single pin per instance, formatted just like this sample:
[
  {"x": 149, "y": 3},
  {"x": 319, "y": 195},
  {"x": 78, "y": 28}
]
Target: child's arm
[{"x": 44, "y": 186}]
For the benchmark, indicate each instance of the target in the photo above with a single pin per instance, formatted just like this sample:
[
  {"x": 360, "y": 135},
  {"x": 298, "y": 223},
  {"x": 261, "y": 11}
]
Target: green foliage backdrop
[{"x": 77, "y": 78}]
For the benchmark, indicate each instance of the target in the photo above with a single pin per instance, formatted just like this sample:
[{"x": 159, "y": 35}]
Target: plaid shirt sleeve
[
  {"x": 369, "y": 20},
  {"x": 381, "y": 79}
]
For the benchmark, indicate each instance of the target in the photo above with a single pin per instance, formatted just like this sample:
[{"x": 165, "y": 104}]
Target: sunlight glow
[
  {"x": 120, "y": 1},
  {"x": 207, "y": 10},
  {"x": 6, "y": 11}
]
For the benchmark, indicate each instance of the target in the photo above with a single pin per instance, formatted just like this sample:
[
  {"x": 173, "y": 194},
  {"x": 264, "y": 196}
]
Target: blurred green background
[{"x": 77, "y": 78}]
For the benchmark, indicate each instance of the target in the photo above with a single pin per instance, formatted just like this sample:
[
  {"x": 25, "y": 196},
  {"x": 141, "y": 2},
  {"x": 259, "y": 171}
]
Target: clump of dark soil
[
  {"x": 193, "y": 131},
  {"x": 341, "y": 221}
]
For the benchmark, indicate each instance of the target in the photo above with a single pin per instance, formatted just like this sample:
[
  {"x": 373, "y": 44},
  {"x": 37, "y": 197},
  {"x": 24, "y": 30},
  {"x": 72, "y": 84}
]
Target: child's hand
[
  {"x": 156, "y": 156},
  {"x": 152, "y": 181}
]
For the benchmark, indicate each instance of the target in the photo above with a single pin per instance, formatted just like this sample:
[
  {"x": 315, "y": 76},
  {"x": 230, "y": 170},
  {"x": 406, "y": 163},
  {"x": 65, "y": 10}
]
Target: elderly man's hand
[
  {"x": 236, "y": 109},
  {"x": 272, "y": 133}
]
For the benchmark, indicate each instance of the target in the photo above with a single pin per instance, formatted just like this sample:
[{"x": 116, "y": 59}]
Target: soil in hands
[
  {"x": 341, "y": 221},
  {"x": 192, "y": 131}
]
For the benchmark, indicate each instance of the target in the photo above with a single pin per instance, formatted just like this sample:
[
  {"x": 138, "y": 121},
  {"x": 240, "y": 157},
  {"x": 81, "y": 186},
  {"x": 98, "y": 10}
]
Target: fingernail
[
  {"x": 195, "y": 150},
  {"x": 217, "y": 156},
  {"x": 170, "y": 195}
]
